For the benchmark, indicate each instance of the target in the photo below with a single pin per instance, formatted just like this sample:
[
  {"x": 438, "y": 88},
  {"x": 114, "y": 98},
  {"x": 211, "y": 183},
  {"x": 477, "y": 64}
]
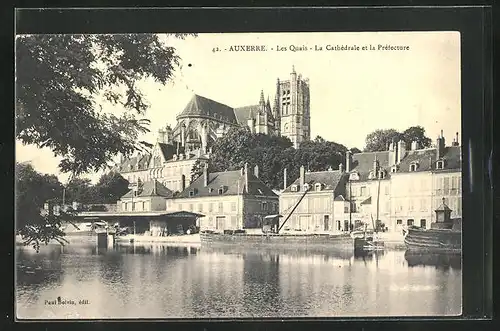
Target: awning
[{"x": 273, "y": 216}]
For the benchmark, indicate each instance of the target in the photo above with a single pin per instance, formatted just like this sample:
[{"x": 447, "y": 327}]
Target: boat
[{"x": 444, "y": 236}]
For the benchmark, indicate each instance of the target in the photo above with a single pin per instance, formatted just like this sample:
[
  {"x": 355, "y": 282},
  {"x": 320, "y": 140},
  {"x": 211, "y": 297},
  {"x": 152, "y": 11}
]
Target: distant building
[
  {"x": 315, "y": 212},
  {"x": 230, "y": 200},
  {"x": 150, "y": 196}
]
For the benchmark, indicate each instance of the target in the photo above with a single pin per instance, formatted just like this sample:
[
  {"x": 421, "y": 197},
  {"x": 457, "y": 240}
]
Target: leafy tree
[
  {"x": 416, "y": 133},
  {"x": 111, "y": 187},
  {"x": 33, "y": 190},
  {"x": 58, "y": 84},
  {"x": 355, "y": 150},
  {"x": 61, "y": 81},
  {"x": 79, "y": 190},
  {"x": 380, "y": 139}
]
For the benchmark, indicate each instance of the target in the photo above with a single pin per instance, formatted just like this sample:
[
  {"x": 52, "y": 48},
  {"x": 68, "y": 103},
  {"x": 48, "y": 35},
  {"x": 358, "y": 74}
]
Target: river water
[{"x": 159, "y": 281}]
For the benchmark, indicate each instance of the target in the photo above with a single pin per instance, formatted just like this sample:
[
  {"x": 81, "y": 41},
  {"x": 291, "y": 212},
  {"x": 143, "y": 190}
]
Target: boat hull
[
  {"x": 321, "y": 241},
  {"x": 434, "y": 240}
]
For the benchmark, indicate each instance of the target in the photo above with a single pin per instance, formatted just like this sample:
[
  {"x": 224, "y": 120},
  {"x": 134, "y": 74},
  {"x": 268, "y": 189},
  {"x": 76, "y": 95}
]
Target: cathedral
[{"x": 204, "y": 120}]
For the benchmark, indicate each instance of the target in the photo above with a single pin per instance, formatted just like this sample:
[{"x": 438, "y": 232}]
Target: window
[
  {"x": 413, "y": 167},
  {"x": 394, "y": 169},
  {"x": 381, "y": 174},
  {"x": 191, "y": 193},
  {"x": 338, "y": 225},
  {"x": 326, "y": 222},
  {"x": 423, "y": 205},
  {"x": 264, "y": 206},
  {"x": 143, "y": 205},
  {"x": 200, "y": 207},
  {"x": 210, "y": 207},
  {"x": 306, "y": 187},
  {"x": 190, "y": 207},
  {"x": 318, "y": 187},
  {"x": 410, "y": 205},
  {"x": 210, "y": 190},
  {"x": 346, "y": 209},
  {"x": 221, "y": 190},
  {"x": 423, "y": 223},
  {"x": 233, "y": 206},
  {"x": 294, "y": 188},
  {"x": 440, "y": 164},
  {"x": 399, "y": 222},
  {"x": 409, "y": 222},
  {"x": 221, "y": 207},
  {"x": 363, "y": 191}
]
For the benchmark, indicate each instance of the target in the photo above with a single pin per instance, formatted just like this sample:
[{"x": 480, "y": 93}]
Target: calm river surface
[{"x": 159, "y": 281}]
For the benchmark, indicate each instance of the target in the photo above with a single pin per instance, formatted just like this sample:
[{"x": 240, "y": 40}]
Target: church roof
[
  {"x": 244, "y": 113},
  {"x": 151, "y": 189},
  {"x": 167, "y": 150},
  {"x": 201, "y": 106},
  {"x": 230, "y": 181},
  {"x": 135, "y": 163}
]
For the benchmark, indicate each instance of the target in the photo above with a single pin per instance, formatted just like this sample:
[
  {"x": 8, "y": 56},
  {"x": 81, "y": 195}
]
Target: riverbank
[{"x": 184, "y": 239}]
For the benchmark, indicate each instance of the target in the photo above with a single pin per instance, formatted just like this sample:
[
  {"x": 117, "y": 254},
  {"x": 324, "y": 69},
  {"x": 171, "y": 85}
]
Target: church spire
[{"x": 262, "y": 102}]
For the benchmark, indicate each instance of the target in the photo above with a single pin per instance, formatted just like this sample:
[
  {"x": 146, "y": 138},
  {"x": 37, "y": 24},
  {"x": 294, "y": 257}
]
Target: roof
[
  {"x": 244, "y": 113},
  {"x": 330, "y": 179},
  {"x": 426, "y": 160},
  {"x": 132, "y": 163},
  {"x": 201, "y": 106},
  {"x": 94, "y": 214},
  {"x": 443, "y": 207},
  {"x": 167, "y": 150},
  {"x": 232, "y": 182},
  {"x": 363, "y": 163},
  {"x": 150, "y": 189},
  {"x": 339, "y": 198}
]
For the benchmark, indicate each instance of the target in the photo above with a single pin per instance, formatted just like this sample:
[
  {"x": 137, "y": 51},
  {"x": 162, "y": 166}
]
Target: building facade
[
  {"x": 314, "y": 210},
  {"x": 229, "y": 200},
  {"x": 404, "y": 186}
]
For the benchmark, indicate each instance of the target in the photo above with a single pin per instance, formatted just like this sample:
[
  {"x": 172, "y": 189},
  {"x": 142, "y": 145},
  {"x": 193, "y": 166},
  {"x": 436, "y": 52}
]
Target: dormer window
[
  {"x": 306, "y": 187},
  {"x": 318, "y": 186},
  {"x": 381, "y": 174},
  {"x": 174, "y": 157},
  {"x": 413, "y": 166},
  {"x": 294, "y": 188},
  {"x": 354, "y": 176},
  {"x": 210, "y": 190},
  {"x": 221, "y": 190},
  {"x": 394, "y": 168},
  {"x": 370, "y": 175},
  {"x": 191, "y": 193},
  {"x": 440, "y": 164}
]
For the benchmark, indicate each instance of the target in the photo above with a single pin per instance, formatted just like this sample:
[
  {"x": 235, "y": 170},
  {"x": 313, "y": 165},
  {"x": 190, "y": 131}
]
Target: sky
[{"x": 352, "y": 92}]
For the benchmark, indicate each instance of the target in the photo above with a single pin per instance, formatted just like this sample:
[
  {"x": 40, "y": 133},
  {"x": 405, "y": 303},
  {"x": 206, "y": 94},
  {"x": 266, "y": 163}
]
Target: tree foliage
[
  {"x": 33, "y": 190},
  {"x": 59, "y": 80},
  {"x": 379, "y": 140}
]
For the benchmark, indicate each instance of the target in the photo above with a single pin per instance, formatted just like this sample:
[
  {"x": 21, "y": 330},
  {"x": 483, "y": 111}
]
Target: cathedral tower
[{"x": 292, "y": 104}]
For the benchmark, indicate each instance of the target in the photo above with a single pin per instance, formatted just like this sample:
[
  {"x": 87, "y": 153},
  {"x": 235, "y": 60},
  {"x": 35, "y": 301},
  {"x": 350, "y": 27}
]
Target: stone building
[
  {"x": 315, "y": 210},
  {"x": 230, "y": 200},
  {"x": 149, "y": 196}
]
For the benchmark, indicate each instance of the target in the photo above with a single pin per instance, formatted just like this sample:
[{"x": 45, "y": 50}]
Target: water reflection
[
  {"x": 437, "y": 260},
  {"x": 162, "y": 281}
]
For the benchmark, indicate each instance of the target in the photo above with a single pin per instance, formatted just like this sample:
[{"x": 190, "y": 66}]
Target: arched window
[{"x": 440, "y": 164}]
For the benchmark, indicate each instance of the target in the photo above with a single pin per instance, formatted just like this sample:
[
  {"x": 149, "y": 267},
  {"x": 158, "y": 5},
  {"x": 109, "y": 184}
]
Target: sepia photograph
[{"x": 238, "y": 175}]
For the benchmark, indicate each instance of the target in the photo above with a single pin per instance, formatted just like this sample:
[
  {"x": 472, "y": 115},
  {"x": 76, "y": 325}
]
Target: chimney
[
  {"x": 161, "y": 136},
  {"x": 414, "y": 145},
  {"x": 256, "y": 171},
  {"x": 183, "y": 182},
  {"x": 284, "y": 179},
  {"x": 302, "y": 176},
  {"x": 246, "y": 177},
  {"x": 440, "y": 144},
  {"x": 205, "y": 175},
  {"x": 341, "y": 167},
  {"x": 393, "y": 153},
  {"x": 455, "y": 141},
  {"x": 401, "y": 152},
  {"x": 348, "y": 161}
]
